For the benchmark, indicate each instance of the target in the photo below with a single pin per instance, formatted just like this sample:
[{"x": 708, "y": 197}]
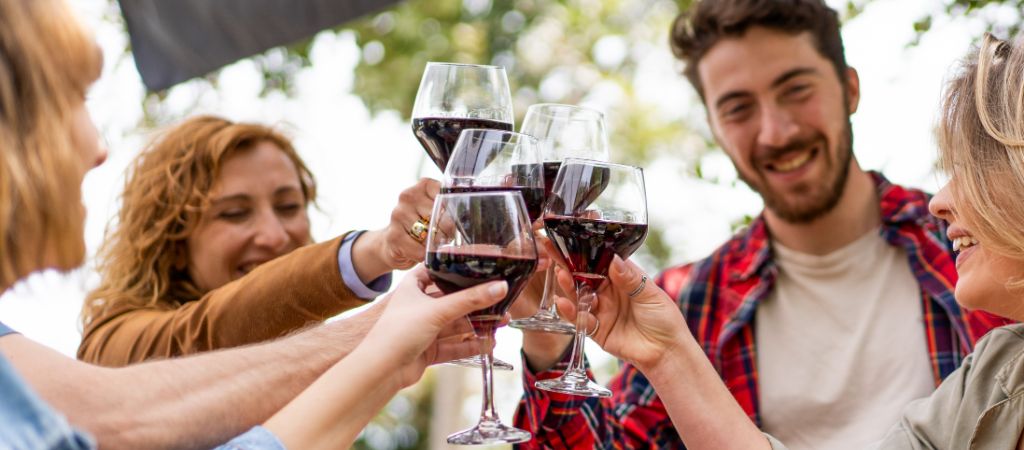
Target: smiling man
[{"x": 834, "y": 308}]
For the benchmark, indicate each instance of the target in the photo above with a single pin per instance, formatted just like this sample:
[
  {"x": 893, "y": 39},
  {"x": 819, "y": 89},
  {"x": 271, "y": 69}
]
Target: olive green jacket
[{"x": 979, "y": 406}]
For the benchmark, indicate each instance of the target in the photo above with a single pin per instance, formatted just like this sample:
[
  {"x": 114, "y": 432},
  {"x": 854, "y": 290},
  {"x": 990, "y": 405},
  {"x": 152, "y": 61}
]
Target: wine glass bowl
[
  {"x": 453, "y": 97},
  {"x": 494, "y": 160}
]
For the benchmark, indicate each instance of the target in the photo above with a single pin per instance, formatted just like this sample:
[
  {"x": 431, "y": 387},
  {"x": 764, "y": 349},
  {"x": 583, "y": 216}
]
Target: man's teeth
[
  {"x": 963, "y": 242},
  {"x": 799, "y": 160}
]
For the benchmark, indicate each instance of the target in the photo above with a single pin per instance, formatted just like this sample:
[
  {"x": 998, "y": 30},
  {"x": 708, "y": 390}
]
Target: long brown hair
[
  {"x": 47, "y": 62},
  {"x": 143, "y": 261},
  {"x": 981, "y": 142}
]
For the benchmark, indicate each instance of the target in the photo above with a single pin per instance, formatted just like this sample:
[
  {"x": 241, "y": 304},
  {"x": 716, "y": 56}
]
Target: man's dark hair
[{"x": 695, "y": 31}]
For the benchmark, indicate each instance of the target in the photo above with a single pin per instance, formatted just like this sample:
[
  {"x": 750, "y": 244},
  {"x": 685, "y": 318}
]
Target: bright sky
[{"x": 362, "y": 162}]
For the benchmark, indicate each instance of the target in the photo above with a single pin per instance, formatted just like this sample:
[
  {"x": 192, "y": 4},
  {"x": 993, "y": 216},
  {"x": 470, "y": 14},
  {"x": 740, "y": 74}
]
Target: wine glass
[
  {"x": 597, "y": 210},
  {"x": 453, "y": 97},
  {"x": 565, "y": 131},
  {"x": 495, "y": 160},
  {"x": 465, "y": 248}
]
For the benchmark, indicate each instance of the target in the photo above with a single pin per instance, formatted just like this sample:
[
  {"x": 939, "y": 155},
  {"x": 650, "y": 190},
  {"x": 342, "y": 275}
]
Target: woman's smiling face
[
  {"x": 983, "y": 274},
  {"x": 257, "y": 212}
]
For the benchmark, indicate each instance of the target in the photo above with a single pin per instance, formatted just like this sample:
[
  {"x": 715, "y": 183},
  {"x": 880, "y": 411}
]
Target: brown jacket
[{"x": 293, "y": 291}]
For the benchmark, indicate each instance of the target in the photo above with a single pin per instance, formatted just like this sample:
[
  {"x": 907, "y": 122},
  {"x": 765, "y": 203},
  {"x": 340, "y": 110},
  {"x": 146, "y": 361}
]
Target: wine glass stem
[
  {"x": 586, "y": 296},
  {"x": 487, "y": 412},
  {"x": 546, "y": 303}
]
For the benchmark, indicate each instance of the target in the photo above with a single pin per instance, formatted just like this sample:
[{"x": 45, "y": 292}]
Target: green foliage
[{"x": 1000, "y": 17}]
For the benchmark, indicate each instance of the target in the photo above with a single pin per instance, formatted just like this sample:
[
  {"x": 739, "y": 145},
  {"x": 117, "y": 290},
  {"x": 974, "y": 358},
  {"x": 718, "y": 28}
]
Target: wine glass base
[
  {"x": 545, "y": 323},
  {"x": 571, "y": 385},
  {"x": 477, "y": 362},
  {"x": 490, "y": 433}
]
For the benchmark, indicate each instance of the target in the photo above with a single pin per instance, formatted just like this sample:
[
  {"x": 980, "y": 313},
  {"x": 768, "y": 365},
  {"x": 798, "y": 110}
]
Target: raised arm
[
  {"x": 332, "y": 412},
  {"x": 289, "y": 293},
  {"x": 193, "y": 402},
  {"x": 648, "y": 331}
]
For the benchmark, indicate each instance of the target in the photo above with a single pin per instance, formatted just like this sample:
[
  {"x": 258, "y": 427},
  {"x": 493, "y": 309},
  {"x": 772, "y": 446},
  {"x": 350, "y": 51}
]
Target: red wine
[
  {"x": 533, "y": 197},
  {"x": 550, "y": 172},
  {"x": 439, "y": 134},
  {"x": 453, "y": 271},
  {"x": 590, "y": 244}
]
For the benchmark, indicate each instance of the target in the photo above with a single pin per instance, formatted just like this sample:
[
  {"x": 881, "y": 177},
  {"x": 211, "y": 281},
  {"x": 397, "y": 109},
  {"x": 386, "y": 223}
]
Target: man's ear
[{"x": 852, "y": 89}]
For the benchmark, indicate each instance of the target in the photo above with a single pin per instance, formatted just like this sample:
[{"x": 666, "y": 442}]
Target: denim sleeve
[
  {"x": 5, "y": 330},
  {"x": 28, "y": 422},
  {"x": 257, "y": 438},
  {"x": 351, "y": 278}
]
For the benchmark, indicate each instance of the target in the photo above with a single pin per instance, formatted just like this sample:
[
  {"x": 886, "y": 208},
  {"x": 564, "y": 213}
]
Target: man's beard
[{"x": 812, "y": 200}]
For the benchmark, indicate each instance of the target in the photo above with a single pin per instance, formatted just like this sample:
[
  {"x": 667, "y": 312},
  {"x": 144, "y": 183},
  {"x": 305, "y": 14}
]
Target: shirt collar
[{"x": 751, "y": 253}]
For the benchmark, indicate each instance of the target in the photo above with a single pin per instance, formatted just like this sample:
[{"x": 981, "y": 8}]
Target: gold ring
[
  {"x": 596, "y": 327},
  {"x": 640, "y": 287},
  {"x": 418, "y": 231}
]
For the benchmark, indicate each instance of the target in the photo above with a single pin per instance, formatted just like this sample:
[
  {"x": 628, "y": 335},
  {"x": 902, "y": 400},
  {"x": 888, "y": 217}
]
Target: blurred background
[{"x": 345, "y": 96}]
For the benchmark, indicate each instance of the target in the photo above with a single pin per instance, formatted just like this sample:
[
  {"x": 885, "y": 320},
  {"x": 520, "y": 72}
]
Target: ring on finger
[
  {"x": 639, "y": 287},
  {"x": 418, "y": 230},
  {"x": 596, "y": 327}
]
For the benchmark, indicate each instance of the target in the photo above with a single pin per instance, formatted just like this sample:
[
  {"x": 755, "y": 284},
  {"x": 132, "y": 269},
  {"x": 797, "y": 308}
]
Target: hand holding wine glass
[
  {"x": 640, "y": 322},
  {"x": 433, "y": 328},
  {"x": 597, "y": 210},
  {"x": 465, "y": 248}
]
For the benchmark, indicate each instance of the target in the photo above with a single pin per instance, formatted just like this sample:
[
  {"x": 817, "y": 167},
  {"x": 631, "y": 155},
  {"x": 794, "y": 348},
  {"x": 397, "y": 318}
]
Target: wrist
[
  {"x": 368, "y": 256},
  {"x": 543, "y": 351},
  {"x": 680, "y": 355}
]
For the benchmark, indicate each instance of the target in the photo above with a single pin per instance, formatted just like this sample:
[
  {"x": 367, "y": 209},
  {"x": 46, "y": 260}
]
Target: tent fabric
[{"x": 176, "y": 40}]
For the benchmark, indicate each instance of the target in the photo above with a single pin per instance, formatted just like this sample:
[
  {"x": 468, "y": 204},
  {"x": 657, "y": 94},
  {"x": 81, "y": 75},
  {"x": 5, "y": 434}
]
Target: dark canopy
[{"x": 175, "y": 40}]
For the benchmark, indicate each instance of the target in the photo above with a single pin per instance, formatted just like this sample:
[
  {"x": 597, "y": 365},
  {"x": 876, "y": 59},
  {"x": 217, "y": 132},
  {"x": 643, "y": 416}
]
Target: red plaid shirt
[{"x": 718, "y": 296}]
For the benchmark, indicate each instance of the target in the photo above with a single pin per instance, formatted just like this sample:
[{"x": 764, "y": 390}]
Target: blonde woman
[
  {"x": 303, "y": 389},
  {"x": 194, "y": 263},
  {"x": 981, "y": 404}
]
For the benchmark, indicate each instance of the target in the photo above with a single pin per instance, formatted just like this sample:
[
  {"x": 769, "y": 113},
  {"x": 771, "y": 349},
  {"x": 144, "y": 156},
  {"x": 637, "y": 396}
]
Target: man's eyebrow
[{"x": 782, "y": 79}]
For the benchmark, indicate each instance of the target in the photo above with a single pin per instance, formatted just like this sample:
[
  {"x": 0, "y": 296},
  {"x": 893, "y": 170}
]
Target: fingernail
[
  {"x": 620, "y": 265},
  {"x": 498, "y": 289}
]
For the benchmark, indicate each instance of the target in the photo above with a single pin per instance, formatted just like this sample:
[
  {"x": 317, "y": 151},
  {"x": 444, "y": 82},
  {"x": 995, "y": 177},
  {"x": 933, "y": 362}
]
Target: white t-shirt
[{"x": 840, "y": 345}]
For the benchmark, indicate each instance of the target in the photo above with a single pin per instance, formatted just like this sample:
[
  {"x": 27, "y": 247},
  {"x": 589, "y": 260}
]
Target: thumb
[
  {"x": 454, "y": 306},
  {"x": 626, "y": 278}
]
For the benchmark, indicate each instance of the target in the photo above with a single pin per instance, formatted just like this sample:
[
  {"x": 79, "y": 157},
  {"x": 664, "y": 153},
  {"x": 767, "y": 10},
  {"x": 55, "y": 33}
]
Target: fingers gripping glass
[
  {"x": 597, "y": 210},
  {"x": 564, "y": 131},
  {"x": 475, "y": 238},
  {"x": 453, "y": 97}
]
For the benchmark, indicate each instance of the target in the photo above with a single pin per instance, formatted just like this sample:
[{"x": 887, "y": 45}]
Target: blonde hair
[
  {"x": 47, "y": 62},
  {"x": 981, "y": 141},
  {"x": 143, "y": 261}
]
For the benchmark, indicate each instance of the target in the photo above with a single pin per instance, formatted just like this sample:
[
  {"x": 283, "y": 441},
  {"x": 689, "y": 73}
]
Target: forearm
[
  {"x": 702, "y": 409},
  {"x": 333, "y": 411},
  {"x": 194, "y": 402},
  {"x": 543, "y": 350},
  {"x": 279, "y": 297}
]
